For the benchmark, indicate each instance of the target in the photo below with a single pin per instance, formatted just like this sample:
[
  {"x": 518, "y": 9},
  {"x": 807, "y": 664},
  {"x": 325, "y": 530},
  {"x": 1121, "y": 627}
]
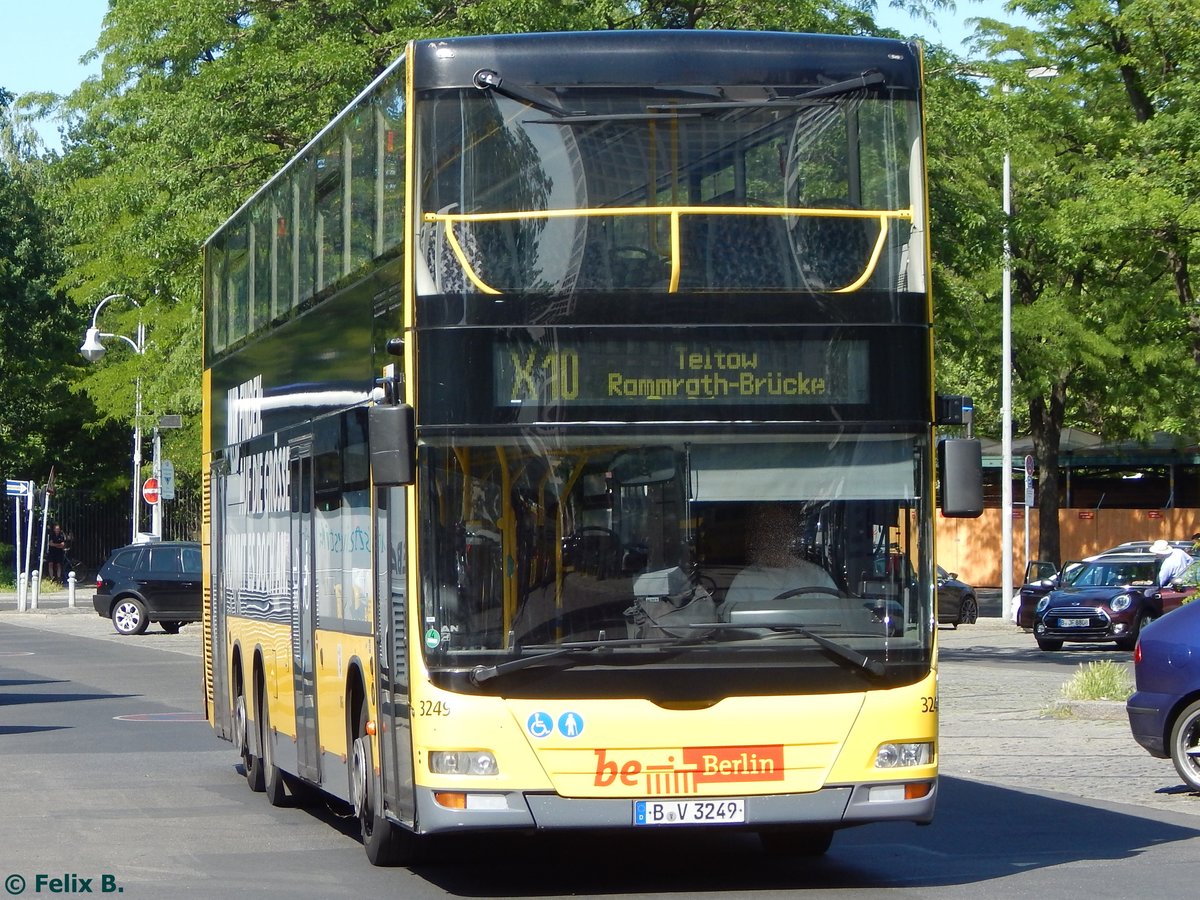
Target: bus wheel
[
  {"x": 799, "y": 841},
  {"x": 271, "y": 774},
  {"x": 250, "y": 762},
  {"x": 386, "y": 844}
]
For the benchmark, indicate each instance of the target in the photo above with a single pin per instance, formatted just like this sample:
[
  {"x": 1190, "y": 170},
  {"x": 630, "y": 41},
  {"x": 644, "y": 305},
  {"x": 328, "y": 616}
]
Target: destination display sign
[{"x": 635, "y": 371}]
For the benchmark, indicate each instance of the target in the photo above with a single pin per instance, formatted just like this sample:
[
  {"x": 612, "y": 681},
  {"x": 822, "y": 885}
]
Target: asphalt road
[{"x": 107, "y": 772}]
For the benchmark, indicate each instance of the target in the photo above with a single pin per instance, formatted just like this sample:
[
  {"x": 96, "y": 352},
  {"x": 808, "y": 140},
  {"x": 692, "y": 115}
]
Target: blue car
[{"x": 1164, "y": 711}]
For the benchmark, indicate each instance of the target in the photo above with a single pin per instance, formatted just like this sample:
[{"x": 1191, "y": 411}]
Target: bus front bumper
[{"x": 834, "y": 806}]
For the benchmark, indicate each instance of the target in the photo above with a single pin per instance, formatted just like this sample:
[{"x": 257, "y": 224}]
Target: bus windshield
[
  {"x": 723, "y": 547},
  {"x": 667, "y": 188}
]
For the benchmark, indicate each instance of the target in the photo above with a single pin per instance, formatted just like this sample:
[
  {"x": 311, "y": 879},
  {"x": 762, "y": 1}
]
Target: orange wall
[{"x": 971, "y": 547}]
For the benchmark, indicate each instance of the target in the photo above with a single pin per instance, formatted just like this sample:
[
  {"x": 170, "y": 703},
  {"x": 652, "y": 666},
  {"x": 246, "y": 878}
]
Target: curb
[{"x": 1090, "y": 709}]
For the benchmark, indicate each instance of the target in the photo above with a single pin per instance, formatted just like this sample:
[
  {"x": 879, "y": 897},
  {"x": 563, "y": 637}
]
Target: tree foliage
[
  {"x": 40, "y": 424},
  {"x": 1102, "y": 229}
]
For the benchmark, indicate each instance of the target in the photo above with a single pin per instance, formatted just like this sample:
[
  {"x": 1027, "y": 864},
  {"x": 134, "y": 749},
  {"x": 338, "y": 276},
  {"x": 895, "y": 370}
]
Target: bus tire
[
  {"x": 386, "y": 843},
  {"x": 273, "y": 784},
  {"x": 797, "y": 841},
  {"x": 250, "y": 763}
]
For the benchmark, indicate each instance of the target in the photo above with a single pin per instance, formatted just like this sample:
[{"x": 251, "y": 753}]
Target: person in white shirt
[
  {"x": 772, "y": 537},
  {"x": 1174, "y": 561}
]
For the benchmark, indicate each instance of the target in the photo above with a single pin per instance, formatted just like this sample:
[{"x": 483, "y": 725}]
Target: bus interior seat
[
  {"x": 833, "y": 251},
  {"x": 732, "y": 252},
  {"x": 444, "y": 268}
]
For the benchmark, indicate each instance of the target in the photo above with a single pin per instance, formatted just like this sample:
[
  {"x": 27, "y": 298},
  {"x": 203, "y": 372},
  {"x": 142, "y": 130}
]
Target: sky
[
  {"x": 950, "y": 30},
  {"x": 41, "y": 41}
]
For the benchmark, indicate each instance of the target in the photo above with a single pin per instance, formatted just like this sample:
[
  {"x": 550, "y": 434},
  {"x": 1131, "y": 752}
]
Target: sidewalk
[
  {"x": 1003, "y": 720},
  {"x": 57, "y": 599}
]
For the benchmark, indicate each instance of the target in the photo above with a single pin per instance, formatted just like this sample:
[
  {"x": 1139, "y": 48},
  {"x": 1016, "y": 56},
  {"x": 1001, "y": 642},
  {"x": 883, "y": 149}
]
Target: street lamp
[
  {"x": 1006, "y": 493},
  {"x": 93, "y": 350}
]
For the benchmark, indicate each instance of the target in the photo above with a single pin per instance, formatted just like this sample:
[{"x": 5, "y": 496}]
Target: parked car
[
  {"x": 1108, "y": 598},
  {"x": 1164, "y": 711},
  {"x": 144, "y": 583},
  {"x": 1042, "y": 577},
  {"x": 1145, "y": 546},
  {"x": 956, "y": 600}
]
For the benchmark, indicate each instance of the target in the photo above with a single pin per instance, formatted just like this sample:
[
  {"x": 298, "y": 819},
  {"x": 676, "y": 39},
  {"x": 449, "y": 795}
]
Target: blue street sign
[{"x": 18, "y": 488}]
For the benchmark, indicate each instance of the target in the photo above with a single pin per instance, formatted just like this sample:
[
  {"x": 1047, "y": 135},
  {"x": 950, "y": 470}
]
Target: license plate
[
  {"x": 688, "y": 812},
  {"x": 1073, "y": 623}
]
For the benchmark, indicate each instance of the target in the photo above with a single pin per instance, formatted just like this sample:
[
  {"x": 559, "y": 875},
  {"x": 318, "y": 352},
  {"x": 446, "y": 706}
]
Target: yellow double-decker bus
[{"x": 570, "y": 444}]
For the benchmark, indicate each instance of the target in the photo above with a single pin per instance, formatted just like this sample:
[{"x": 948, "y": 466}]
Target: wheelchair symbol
[{"x": 540, "y": 725}]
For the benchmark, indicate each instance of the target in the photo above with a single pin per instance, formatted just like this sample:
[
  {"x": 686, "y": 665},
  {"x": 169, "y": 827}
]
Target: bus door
[
  {"x": 303, "y": 612},
  {"x": 391, "y": 567}
]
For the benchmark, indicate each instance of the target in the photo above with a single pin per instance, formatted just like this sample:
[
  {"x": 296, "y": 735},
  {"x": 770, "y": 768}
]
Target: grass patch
[{"x": 1105, "y": 680}]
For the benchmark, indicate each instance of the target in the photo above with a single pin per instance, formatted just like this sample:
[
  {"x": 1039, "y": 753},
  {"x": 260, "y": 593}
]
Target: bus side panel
[
  {"x": 216, "y": 683},
  {"x": 340, "y": 658},
  {"x": 263, "y": 649}
]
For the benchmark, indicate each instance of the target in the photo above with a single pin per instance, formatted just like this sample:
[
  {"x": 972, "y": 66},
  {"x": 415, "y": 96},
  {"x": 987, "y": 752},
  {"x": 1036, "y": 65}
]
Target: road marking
[{"x": 162, "y": 717}]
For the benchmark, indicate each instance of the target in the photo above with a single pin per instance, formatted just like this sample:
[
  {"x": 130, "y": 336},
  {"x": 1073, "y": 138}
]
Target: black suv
[{"x": 144, "y": 583}]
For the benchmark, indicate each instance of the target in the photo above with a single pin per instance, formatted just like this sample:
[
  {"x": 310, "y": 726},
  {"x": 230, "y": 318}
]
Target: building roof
[{"x": 1078, "y": 448}]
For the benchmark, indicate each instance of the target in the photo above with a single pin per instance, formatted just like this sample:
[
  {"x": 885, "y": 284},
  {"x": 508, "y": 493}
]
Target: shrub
[{"x": 1105, "y": 680}]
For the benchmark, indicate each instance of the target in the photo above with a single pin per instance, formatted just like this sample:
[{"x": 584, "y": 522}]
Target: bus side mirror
[
  {"x": 392, "y": 433},
  {"x": 961, "y": 464}
]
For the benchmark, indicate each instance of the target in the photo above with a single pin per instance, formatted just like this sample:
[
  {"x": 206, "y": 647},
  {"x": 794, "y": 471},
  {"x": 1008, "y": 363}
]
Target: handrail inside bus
[{"x": 675, "y": 213}]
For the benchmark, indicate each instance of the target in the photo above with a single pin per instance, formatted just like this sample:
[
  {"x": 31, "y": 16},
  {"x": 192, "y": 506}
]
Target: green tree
[
  {"x": 41, "y": 422},
  {"x": 1104, "y": 322}
]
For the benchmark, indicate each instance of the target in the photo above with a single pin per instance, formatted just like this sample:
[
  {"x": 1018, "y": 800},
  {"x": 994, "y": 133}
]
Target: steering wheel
[{"x": 811, "y": 589}]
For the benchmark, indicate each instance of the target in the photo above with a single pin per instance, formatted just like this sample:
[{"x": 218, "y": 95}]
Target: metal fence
[{"x": 95, "y": 527}]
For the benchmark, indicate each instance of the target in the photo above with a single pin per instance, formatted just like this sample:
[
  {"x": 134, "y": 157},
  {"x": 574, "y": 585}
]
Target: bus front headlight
[
  {"x": 463, "y": 762},
  {"x": 899, "y": 755}
]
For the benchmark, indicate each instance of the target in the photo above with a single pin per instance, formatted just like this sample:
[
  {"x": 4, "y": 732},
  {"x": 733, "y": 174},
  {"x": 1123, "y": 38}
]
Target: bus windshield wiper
[
  {"x": 490, "y": 80},
  {"x": 865, "y": 80},
  {"x": 595, "y": 650},
  {"x": 840, "y": 651},
  {"x": 480, "y": 674}
]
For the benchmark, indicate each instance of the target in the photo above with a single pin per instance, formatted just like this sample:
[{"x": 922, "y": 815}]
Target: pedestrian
[
  {"x": 56, "y": 555},
  {"x": 1174, "y": 561}
]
